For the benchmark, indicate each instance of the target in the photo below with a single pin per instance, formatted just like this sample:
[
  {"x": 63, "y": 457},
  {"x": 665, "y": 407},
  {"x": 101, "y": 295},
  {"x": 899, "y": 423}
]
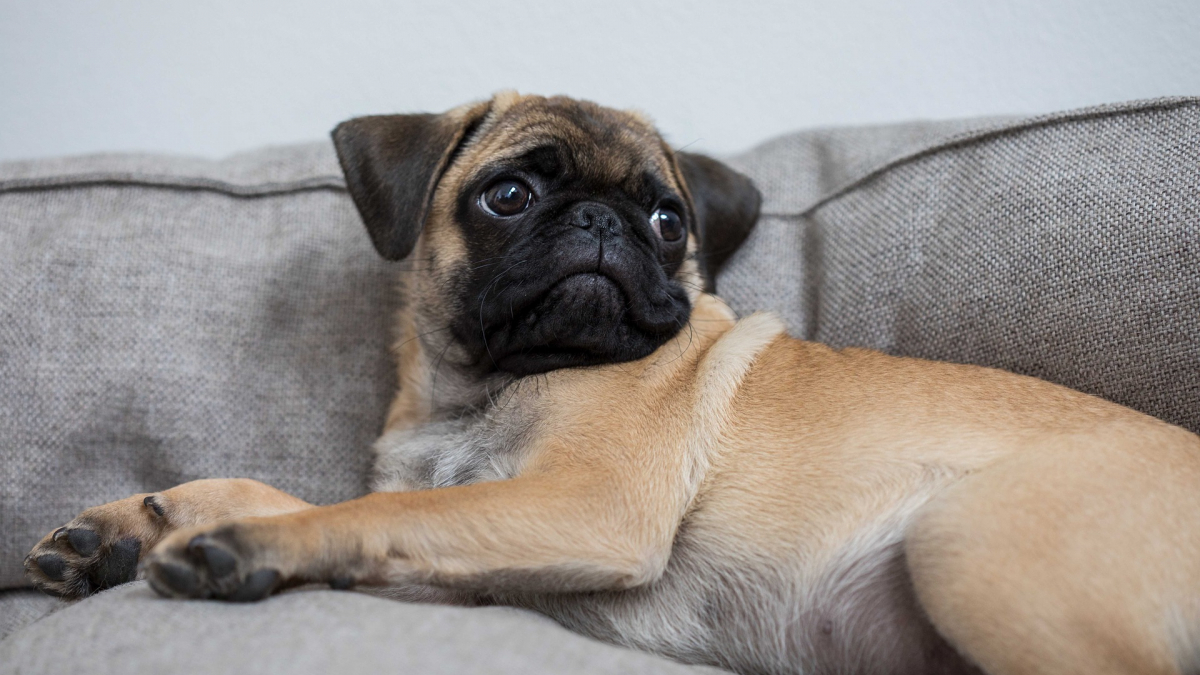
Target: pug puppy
[{"x": 582, "y": 429}]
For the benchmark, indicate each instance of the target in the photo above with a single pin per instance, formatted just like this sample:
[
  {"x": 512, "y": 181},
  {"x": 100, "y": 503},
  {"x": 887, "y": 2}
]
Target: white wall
[{"x": 213, "y": 77}]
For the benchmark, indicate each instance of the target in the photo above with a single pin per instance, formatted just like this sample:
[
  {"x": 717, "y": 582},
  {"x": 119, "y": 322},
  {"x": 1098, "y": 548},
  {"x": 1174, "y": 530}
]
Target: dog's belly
[{"x": 851, "y": 611}]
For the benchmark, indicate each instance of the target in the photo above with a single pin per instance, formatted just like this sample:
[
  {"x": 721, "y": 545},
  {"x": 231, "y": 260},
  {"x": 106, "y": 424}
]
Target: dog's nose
[{"x": 599, "y": 218}]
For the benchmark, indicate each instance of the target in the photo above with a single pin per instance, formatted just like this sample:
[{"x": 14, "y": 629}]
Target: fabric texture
[
  {"x": 165, "y": 319},
  {"x": 163, "y": 323},
  {"x": 309, "y": 632},
  {"x": 20, "y": 607},
  {"x": 1066, "y": 247}
]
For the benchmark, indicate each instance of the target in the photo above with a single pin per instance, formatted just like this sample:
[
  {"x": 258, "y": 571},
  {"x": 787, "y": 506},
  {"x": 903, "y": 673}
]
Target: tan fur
[{"x": 750, "y": 500}]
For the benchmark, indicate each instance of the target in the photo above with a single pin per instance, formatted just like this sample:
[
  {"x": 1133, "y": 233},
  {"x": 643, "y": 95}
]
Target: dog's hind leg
[
  {"x": 101, "y": 547},
  {"x": 1080, "y": 557}
]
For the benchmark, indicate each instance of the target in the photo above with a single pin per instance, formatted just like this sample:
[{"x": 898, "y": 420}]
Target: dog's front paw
[
  {"x": 228, "y": 562},
  {"x": 97, "y": 550}
]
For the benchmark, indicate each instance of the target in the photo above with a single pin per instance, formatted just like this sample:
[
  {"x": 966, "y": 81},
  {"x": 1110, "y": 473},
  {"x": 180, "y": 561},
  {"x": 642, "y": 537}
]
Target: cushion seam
[
  {"x": 337, "y": 183},
  {"x": 977, "y": 136},
  {"x": 323, "y": 182}
]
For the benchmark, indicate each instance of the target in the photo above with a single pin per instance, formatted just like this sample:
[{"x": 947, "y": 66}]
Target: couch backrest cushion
[
  {"x": 163, "y": 320},
  {"x": 1065, "y": 247}
]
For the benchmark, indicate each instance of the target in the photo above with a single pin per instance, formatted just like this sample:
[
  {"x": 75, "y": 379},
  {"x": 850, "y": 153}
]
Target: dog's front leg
[
  {"x": 100, "y": 547},
  {"x": 564, "y": 526}
]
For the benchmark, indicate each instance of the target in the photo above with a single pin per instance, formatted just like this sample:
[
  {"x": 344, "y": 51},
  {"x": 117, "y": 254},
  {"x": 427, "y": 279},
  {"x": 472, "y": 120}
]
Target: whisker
[
  {"x": 483, "y": 302},
  {"x": 419, "y": 336},
  {"x": 433, "y": 382}
]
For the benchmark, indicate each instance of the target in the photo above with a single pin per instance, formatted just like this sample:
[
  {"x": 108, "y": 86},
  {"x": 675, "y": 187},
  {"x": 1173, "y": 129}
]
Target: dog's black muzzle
[{"x": 589, "y": 289}]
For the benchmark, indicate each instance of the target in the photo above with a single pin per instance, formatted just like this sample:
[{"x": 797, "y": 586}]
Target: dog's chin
[{"x": 585, "y": 319}]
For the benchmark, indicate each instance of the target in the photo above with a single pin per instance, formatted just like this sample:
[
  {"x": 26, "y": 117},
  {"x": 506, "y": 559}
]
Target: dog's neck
[{"x": 438, "y": 381}]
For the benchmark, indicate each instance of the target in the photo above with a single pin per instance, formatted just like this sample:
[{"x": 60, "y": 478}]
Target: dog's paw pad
[
  {"x": 53, "y": 566},
  {"x": 173, "y": 579},
  {"x": 84, "y": 541},
  {"x": 64, "y": 568},
  {"x": 258, "y": 585},
  {"x": 119, "y": 566},
  {"x": 98, "y": 549},
  {"x": 220, "y": 563},
  {"x": 341, "y": 583}
]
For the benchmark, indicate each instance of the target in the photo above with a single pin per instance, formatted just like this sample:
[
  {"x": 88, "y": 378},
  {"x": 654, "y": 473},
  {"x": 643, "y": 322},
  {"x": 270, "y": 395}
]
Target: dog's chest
[{"x": 472, "y": 448}]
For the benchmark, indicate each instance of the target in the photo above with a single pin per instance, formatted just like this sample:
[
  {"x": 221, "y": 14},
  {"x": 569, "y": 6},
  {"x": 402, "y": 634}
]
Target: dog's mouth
[
  {"x": 583, "y": 318},
  {"x": 575, "y": 319},
  {"x": 587, "y": 293}
]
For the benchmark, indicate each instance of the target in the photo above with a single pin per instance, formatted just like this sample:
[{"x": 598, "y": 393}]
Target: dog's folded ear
[
  {"x": 726, "y": 209},
  {"x": 392, "y": 165}
]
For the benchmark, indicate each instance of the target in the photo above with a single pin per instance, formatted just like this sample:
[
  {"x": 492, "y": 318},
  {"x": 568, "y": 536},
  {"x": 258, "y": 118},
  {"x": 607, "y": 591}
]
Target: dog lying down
[{"x": 582, "y": 429}]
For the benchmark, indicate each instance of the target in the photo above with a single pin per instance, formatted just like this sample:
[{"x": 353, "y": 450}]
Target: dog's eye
[
  {"x": 668, "y": 224},
  {"x": 507, "y": 197}
]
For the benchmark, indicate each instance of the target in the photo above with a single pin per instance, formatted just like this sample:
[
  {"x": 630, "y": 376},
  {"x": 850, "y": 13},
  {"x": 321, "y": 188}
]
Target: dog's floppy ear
[
  {"x": 726, "y": 209},
  {"x": 392, "y": 165}
]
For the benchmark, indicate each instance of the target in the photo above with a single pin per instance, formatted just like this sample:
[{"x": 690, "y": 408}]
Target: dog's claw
[{"x": 153, "y": 504}]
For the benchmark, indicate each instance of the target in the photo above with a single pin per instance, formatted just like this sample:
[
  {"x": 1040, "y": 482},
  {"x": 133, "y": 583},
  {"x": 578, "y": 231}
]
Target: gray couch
[{"x": 164, "y": 319}]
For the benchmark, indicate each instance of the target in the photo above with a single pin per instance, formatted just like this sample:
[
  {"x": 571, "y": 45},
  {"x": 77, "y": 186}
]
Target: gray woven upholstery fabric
[
  {"x": 169, "y": 320},
  {"x": 20, "y": 607},
  {"x": 1065, "y": 247},
  {"x": 794, "y": 172},
  {"x": 164, "y": 319},
  {"x": 131, "y": 630}
]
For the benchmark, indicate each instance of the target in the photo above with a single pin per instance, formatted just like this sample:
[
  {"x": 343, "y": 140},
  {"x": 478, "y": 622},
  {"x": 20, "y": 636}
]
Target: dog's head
[{"x": 544, "y": 232}]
